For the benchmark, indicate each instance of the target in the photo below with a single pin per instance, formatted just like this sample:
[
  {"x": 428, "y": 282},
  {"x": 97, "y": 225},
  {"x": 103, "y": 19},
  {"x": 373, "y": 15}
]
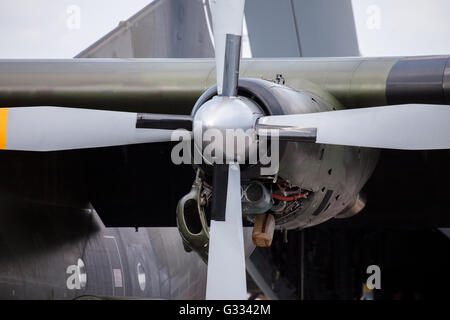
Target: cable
[{"x": 291, "y": 198}]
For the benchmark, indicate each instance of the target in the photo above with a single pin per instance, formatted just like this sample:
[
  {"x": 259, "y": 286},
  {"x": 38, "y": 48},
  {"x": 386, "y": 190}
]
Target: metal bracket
[{"x": 190, "y": 211}]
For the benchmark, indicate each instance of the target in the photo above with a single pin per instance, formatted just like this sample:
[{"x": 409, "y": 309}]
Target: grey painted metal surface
[
  {"x": 54, "y": 128},
  {"x": 276, "y": 28},
  {"x": 231, "y": 66},
  {"x": 326, "y": 28},
  {"x": 253, "y": 271},
  {"x": 271, "y": 28},
  {"x": 163, "y": 29},
  {"x": 294, "y": 28},
  {"x": 226, "y": 257},
  {"x": 404, "y": 127},
  {"x": 53, "y": 252}
]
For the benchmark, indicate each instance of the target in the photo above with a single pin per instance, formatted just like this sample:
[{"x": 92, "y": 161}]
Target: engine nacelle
[{"x": 313, "y": 182}]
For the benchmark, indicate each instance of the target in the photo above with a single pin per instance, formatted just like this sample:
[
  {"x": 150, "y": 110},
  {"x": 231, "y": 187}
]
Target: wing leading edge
[{"x": 173, "y": 85}]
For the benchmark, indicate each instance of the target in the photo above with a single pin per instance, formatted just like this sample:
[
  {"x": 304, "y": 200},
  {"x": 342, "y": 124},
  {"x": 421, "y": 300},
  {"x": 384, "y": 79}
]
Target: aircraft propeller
[
  {"x": 397, "y": 127},
  {"x": 403, "y": 127},
  {"x": 226, "y": 257}
]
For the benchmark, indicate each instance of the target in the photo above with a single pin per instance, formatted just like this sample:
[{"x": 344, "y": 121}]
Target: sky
[
  {"x": 402, "y": 27},
  {"x": 58, "y": 28},
  {"x": 63, "y": 28}
]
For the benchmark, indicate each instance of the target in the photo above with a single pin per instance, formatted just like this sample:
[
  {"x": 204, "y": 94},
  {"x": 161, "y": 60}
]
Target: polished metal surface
[
  {"x": 225, "y": 118},
  {"x": 256, "y": 198}
]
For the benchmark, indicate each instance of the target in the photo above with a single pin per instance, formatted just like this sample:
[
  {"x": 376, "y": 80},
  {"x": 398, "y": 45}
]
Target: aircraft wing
[
  {"x": 176, "y": 36},
  {"x": 173, "y": 85}
]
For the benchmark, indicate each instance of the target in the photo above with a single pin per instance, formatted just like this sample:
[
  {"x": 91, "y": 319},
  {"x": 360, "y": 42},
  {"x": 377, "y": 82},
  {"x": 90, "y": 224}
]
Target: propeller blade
[
  {"x": 405, "y": 127},
  {"x": 226, "y": 258},
  {"x": 55, "y": 128},
  {"x": 227, "y": 17}
]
